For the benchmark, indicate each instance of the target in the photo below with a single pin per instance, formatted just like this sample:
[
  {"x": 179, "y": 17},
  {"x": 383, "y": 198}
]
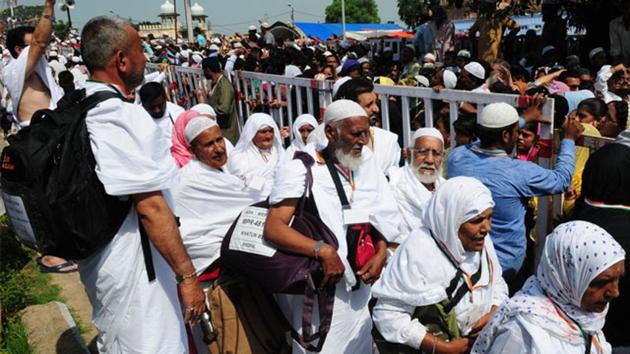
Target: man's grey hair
[{"x": 101, "y": 38}]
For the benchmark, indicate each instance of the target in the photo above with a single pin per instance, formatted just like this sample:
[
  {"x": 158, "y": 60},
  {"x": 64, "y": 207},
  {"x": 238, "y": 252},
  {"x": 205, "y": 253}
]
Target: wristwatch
[
  {"x": 317, "y": 248},
  {"x": 49, "y": 17}
]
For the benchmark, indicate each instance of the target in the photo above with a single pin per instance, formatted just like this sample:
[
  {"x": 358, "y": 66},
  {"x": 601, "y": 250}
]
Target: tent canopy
[{"x": 325, "y": 30}]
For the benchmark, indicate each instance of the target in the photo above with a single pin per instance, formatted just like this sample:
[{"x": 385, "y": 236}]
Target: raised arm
[{"x": 41, "y": 37}]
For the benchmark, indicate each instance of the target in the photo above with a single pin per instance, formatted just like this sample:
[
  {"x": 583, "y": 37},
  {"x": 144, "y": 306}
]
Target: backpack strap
[
  {"x": 98, "y": 97},
  {"x": 463, "y": 289}
]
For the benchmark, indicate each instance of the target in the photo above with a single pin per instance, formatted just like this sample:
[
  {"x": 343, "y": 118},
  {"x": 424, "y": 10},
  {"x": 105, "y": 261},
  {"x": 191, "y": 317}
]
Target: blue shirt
[
  {"x": 512, "y": 182},
  {"x": 201, "y": 40}
]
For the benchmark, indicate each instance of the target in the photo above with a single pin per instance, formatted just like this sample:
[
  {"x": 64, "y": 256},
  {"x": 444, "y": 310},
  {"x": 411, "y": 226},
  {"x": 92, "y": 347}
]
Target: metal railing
[{"x": 286, "y": 98}]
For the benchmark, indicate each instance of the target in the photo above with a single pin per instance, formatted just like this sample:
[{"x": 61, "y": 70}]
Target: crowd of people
[{"x": 452, "y": 266}]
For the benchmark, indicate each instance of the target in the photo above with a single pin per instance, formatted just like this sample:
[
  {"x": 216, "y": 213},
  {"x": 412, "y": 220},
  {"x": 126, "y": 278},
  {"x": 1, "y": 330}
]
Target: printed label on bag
[
  {"x": 248, "y": 233},
  {"x": 19, "y": 219}
]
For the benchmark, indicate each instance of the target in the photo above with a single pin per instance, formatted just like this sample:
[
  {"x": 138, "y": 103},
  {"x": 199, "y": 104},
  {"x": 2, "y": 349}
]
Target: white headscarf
[
  {"x": 304, "y": 119},
  {"x": 457, "y": 201},
  {"x": 246, "y": 157},
  {"x": 405, "y": 279},
  {"x": 575, "y": 253}
]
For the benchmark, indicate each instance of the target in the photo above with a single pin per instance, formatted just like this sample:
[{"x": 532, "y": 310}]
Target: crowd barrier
[{"x": 286, "y": 98}]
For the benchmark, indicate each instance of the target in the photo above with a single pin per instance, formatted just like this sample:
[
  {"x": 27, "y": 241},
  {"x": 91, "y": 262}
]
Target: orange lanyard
[
  {"x": 467, "y": 278},
  {"x": 576, "y": 326},
  {"x": 347, "y": 174}
]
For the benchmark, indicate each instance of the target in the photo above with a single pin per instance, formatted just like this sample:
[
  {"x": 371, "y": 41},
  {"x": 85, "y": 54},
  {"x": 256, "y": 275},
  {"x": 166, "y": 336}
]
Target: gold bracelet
[{"x": 181, "y": 278}]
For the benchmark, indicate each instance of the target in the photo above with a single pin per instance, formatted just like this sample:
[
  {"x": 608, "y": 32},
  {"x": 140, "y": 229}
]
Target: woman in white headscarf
[
  {"x": 450, "y": 254},
  {"x": 303, "y": 126},
  {"x": 562, "y": 308},
  {"x": 259, "y": 148}
]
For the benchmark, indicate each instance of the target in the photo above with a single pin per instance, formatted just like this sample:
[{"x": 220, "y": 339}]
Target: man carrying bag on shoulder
[{"x": 362, "y": 250}]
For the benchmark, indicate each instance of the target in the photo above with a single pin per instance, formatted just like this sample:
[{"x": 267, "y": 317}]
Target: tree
[
  {"x": 357, "y": 11},
  {"x": 414, "y": 12},
  {"x": 26, "y": 15}
]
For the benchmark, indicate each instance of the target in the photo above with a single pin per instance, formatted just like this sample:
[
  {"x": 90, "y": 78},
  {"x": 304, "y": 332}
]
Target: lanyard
[
  {"x": 347, "y": 174},
  {"x": 263, "y": 156},
  {"x": 467, "y": 278},
  {"x": 589, "y": 339},
  {"x": 489, "y": 153},
  {"x": 606, "y": 206}
]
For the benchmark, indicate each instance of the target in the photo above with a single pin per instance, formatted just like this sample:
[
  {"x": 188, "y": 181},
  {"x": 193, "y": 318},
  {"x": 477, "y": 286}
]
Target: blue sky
[{"x": 225, "y": 15}]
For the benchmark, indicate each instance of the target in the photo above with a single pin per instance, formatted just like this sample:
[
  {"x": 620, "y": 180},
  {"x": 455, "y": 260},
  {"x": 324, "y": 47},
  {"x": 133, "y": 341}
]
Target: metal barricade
[{"x": 287, "y": 98}]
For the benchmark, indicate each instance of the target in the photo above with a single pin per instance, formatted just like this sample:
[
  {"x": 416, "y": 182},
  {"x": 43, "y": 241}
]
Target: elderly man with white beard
[
  {"x": 415, "y": 183},
  {"x": 347, "y": 130}
]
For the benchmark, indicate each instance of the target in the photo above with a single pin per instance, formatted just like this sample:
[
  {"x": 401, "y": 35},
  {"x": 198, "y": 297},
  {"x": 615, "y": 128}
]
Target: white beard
[
  {"x": 348, "y": 161},
  {"x": 424, "y": 177}
]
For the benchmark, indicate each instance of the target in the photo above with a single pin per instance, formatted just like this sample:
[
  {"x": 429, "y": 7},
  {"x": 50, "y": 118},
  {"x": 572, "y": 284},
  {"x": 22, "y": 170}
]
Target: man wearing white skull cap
[
  {"x": 370, "y": 201},
  {"x": 511, "y": 181},
  {"x": 415, "y": 183},
  {"x": 384, "y": 144}
]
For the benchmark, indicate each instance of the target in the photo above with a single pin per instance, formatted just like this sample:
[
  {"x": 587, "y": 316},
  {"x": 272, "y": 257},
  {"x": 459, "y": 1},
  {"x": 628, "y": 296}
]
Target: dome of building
[
  {"x": 167, "y": 8},
  {"x": 196, "y": 10}
]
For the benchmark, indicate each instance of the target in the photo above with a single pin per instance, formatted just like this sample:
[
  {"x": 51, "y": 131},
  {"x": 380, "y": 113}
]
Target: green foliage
[
  {"x": 357, "y": 11},
  {"x": 26, "y": 15},
  {"x": 21, "y": 285},
  {"x": 414, "y": 12},
  {"x": 16, "y": 339},
  {"x": 61, "y": 29}
]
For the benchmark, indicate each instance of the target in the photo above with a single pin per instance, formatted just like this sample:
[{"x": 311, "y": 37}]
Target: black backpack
[{"x": 54, "y": 199}]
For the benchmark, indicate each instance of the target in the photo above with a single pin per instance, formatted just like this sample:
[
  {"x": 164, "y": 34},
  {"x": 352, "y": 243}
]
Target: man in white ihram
[
  {"x": 132, "y": 314},
  {"x": 204, "y": 183},
  {"x": 415, "y": 183},
  {"x": 347, "y": 130},
  {"x": 28, "y": 77}
]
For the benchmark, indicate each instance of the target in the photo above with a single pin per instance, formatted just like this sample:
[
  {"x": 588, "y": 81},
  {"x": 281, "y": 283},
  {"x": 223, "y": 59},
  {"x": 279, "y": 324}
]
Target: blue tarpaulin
[{"x": 325, "y": 30}]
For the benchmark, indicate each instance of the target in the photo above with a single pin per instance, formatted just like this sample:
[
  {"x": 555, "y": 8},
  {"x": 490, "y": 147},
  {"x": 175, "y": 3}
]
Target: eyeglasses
[{"x": 426, "y": 152}]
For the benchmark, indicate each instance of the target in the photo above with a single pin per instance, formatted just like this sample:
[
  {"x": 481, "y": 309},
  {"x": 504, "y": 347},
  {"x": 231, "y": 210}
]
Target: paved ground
[
  {"x": 51, "y": 330},
  {"x": 76, "y": 299}
]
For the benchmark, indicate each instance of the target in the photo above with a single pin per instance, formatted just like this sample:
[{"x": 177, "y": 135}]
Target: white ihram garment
[
  {"x": 419, "y": 272},
  {"x": 15, "y": 77},
  {"x": 542, "y": 317},
  {"x": 386, "y": 149},
  {"x": 411, "y": 196},
  {"x": 131, "y": 314},
  {"x": 207, "y": 201},
  {"x": 298, "y": 144},
  {"x": 247, "y": 159},
  {"x": 351, "y": 323}
]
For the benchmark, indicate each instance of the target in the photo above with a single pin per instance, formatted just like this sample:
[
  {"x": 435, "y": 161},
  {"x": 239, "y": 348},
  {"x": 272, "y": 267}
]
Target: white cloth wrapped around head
[
  {"x": 575, "y": 253},
  {"x": 196, "y": 126},
  {"x": 458, "y": 200},
  {"x": 300, "y": 121}
]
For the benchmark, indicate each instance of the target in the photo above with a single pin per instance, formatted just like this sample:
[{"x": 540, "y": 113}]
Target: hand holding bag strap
[{"x": 326, "y": 301}]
